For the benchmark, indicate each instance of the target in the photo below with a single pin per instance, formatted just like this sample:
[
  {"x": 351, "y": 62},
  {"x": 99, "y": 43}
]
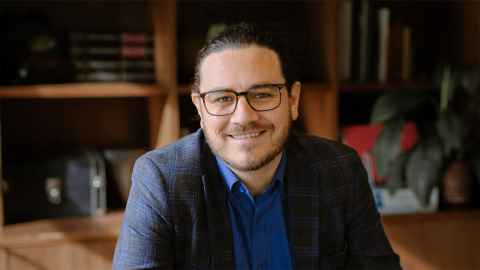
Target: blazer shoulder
[
  {"x": 177, "y": 159},
  {"x": 322, "y": 148}
]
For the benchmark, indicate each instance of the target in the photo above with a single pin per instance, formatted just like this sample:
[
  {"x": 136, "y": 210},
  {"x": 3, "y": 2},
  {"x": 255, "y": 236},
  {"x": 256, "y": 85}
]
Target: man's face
[{"x": 247, "y": 140}]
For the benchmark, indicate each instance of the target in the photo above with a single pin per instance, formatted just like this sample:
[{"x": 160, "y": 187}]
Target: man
[{"x": 244, "y": 192}]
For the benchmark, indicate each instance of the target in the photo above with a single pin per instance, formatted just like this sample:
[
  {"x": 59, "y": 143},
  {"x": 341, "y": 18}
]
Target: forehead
[{"x": 240, "y": 68}]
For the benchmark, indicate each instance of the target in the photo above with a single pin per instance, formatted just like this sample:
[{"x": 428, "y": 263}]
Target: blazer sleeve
[
  {"x": 146, "y": 236},
  {"x": 367, "y": 244}
]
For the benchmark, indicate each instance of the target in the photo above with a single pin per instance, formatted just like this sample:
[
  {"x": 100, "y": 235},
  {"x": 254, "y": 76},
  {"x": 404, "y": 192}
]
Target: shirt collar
[{"x": 230, "y": 178}]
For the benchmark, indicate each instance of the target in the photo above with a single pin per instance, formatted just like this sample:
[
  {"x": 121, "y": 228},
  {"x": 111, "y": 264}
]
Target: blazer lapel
[
  {"x": 219, "y": 228},
  {"x": 301, "y": 209}
]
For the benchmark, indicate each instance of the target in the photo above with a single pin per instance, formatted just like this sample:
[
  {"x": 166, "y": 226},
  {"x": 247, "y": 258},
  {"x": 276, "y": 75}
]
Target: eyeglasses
[{"x": 265, "y": 97}]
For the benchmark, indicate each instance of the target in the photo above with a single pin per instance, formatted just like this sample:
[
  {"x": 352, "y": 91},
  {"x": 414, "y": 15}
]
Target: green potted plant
[{"x": 443, "y": 121}]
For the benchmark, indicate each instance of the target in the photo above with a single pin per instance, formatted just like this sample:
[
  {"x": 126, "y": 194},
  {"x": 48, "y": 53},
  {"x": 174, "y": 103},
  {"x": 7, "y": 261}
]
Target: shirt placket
[{"x": 259, "y": 247}]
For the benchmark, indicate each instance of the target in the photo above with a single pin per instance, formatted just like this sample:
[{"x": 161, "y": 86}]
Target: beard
[{"x": 257, "y": 161}]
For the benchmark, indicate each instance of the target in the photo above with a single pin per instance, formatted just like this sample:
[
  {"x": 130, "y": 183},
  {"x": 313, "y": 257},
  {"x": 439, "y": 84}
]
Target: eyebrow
[{"x": 251, "y": 87}]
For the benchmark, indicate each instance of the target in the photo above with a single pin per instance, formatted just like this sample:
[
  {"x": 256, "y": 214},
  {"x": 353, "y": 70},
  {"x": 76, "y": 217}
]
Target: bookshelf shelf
[
  {"x": 378, "y": 87},
  {"x": 81, "y": 90},
  {"x": 184, "y": 89},
  {"x": 102, "y": 90}
]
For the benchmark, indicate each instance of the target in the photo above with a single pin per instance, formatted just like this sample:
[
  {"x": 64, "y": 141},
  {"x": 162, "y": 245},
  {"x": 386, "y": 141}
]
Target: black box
[{"x": 61, "y": 186}]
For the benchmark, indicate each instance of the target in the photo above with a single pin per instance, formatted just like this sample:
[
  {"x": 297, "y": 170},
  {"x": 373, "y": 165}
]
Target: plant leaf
[
  {"x": 447, "y": 88},
  {"x": 423, "y": 168},
  {"x": 387, "y": 147},
  {"x": 450, "y": 128},
  {"x": 396, "y": 173},
  {"x": 394, "y": 104}
]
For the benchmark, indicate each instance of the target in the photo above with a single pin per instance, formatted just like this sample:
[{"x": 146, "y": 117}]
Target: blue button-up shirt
[{"x": 258, "y": 225}]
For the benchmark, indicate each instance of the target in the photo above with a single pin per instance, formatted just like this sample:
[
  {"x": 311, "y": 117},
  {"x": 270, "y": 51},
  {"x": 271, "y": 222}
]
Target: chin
[{"x": 248, "y": 163}]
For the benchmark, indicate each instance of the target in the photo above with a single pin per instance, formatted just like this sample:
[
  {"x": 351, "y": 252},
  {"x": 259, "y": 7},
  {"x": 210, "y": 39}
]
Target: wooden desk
[
  {"x": 73, "y": 243},
  {"x": 447, "y": 240},
  {"x": 440, "y": 241}
]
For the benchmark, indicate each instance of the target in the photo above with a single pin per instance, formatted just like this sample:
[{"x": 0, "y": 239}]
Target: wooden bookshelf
[
  {"x": 97, "y": 114},
  {"x": 81, "y": 90}
]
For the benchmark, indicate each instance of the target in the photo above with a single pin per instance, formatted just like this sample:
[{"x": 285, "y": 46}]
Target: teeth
[{"x": 245, "y": 136}]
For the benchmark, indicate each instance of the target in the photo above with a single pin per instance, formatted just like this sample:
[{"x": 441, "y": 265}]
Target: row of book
[
  {"x": 102, "y": 57},
  {"x": 372, "y": 47}
]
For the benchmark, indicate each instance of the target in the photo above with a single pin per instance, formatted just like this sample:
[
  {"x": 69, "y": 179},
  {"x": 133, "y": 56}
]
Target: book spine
[
  {"x": 384, "y": 36},
  {"x": 345, "y": 40},
  {"x": 103, "y": 76},
  {"x": 130, "y": 52},
  {"x": 86, "y": 64},
  {"x": 112, "y": 38},
  {"x": 406, "y": 53},
  {"x": 364, "y": 38}
]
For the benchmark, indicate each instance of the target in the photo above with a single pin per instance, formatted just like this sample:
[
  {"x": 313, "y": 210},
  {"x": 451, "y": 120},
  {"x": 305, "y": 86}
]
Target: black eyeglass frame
[{"x": 279, "y": 87}]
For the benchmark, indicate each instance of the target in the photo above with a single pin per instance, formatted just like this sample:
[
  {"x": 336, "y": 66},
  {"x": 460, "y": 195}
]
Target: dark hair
[{"x": 243, "y": 35}]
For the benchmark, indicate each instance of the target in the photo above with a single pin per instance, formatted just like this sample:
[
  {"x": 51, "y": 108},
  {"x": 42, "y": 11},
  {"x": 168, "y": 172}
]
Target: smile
[{"x": 245, "y": 136}]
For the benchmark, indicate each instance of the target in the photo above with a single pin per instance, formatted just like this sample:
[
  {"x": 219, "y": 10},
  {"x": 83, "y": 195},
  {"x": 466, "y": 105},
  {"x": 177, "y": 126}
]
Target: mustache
[{"x": 236, "y": 128}]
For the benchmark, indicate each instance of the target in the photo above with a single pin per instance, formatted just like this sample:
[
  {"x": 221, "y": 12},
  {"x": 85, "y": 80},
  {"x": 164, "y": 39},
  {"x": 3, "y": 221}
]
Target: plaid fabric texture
[{"x": 177, "y": 215}]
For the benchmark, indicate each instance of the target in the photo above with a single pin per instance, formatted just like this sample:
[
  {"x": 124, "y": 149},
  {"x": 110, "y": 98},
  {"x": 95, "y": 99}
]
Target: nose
[{"x": 244, "y": 114}]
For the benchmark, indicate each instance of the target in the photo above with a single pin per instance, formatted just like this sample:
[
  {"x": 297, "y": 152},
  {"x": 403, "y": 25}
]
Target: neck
[{"x": 257, "y": 181}]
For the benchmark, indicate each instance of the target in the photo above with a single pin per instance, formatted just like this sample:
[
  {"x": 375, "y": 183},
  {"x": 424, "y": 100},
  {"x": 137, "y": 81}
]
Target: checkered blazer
[{"x": 177, "y": 215}]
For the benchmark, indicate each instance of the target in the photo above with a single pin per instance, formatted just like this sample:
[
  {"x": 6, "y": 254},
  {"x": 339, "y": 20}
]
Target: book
[
  {"x": 122, "y": 64},
  {"x": 383, "y": 40},
  {"x": 132, "y": 52},
  {"x": 364, "y": 35},
  {"x": 130, "y": 38},
  {"x": 100, "y": 76},
  {"x": 406, "y": 53},
  {"x": 345, "y": 40}
]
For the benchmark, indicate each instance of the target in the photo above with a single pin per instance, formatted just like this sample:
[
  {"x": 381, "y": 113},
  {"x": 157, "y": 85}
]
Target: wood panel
[
  {"x": 40, "y": 258},
  {"x": 447, "y": 241},
  {"x": 470, "y": 32},
  {"x": 439, "y": 241},
  {"x": 69, "y": 243},
  {"x": 320, "y": 107},
  {"x": 80, "y": 90},
  {"x": 165, "y": 117},
  {"x": 93, "y": 255},
  {"x": 86, "y": 255},
  {"x": 51, "y": 231}
]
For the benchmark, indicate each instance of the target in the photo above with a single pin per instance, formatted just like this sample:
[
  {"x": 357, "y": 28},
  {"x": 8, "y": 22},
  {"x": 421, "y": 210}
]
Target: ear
[
  {"x": 294, "y": 99},
  {"x": 197, "y": 101}
]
